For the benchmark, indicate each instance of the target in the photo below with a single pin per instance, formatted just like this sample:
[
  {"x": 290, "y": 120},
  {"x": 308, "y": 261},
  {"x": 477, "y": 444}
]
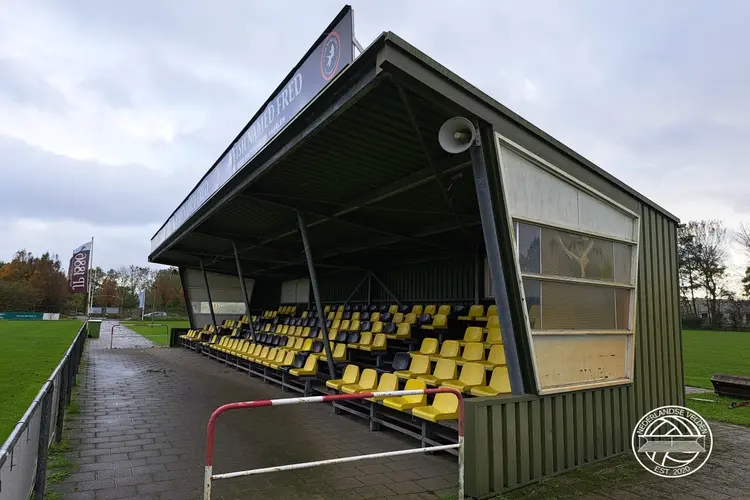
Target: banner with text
[
  {"x": 78, "y": 270},
  {"x": 333, "y": 51}
]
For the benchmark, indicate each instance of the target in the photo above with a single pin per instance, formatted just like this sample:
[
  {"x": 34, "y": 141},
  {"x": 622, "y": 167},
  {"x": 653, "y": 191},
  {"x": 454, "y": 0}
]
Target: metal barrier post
[
  {"x": 209, "y": 476},
  {"x": 61, "y": 401},
  {"x": 43, "y": 447},
  {"x": 112, "y": 336}
]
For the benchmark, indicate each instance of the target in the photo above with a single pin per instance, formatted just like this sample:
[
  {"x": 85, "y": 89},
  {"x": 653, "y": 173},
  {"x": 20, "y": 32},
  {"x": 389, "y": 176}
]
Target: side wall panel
[
  {"x": 514, "y": 441},
  {"x": 447, "y": 280}
]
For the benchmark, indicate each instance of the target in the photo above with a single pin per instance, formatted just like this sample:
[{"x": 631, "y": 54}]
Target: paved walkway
[
  {"x": 140, "y": 433},
  {"x": 124, "y": 338}
]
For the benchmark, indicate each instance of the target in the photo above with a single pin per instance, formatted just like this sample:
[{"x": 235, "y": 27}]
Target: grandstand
[{"x": 372, "y": 256}]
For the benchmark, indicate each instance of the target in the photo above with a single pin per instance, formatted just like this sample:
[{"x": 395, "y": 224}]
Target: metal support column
[
  {"x": 244, "y": 291},
  {"x": 208, "y": 293},
  {"x": 492, "y": 247},
  {"x": 316, "y": 295}
]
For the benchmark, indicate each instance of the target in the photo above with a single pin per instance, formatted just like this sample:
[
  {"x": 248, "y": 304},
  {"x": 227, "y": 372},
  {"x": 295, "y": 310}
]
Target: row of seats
[
  {"x": 446, "y": 373},
  {"x": 444, "y": 405},
  {"x": 473, "y": 352}
]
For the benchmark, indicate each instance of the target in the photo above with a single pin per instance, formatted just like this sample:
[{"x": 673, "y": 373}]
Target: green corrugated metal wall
[
  {"x": 439, "y": 281},
  {"x": 338, "y": 287},
  {"x": 447, "y": 280},
  {"x": 513, "y": 441}
]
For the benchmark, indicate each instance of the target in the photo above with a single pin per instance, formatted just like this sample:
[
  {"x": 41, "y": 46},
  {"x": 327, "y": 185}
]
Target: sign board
[
  {"x": 22, "y": 316},
  {"x": 104, "y": 310},
  {"x": 333, "y": 50}
]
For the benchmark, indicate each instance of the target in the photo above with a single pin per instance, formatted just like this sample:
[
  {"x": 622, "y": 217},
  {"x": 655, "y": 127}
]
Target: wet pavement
[{"x": 140, "y": 433}]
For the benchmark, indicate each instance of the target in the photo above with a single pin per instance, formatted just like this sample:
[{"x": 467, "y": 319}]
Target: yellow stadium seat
[
  {"x": 439, "y": 322},
  {"x": 472, "y": 375},
  {"x": 280, "y": 356},
  {"x": 350, "y": 376},
  {"x": 402, "y": 332},
  {"x": 473, "y": 352},
  {"x": 420, "y": 365},
  {"x": 450, "y": 349},
  {"x": 402, "y": 403},
  {"x": 472, "y": 334},
  {"x": 443, "y": 407},
  {"x": 388, "y": 382},
  {"x": 475, "y": 311},
  {"x": 429, "y": 347},
  {"x": 429, "y": 309},
  {"x": 417, "y": 310},
  {"x": 377, "y": 326},
  {"x": 410, "y": 318},
  {"x": 287, "y": 361},
  {"x": 499, "y": 384},
  {"x": 310, "y": 369},
  {"x": 378, "y": 343},
  {"x": 444, "y": 309},
  {"x": 364, "y": 340},
  {"x": 271, "y": 356},
  {"x": 495, "y": 358},
  {"x": 393, "y": 309},
  {"x": 398, "y": 318},
  {"x": 493, "y": 336},
  {"x": 445, "y": 369},
  {"x": 367, "y": 382},
  {"x": 492, "y": 322},
  {"x": 355, "y": 317},
  {"x": 375, "y": 317}
]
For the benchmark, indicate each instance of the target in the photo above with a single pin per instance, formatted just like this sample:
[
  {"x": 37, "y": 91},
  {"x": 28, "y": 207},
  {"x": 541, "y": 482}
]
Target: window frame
[{"x": 635, "y": 243}]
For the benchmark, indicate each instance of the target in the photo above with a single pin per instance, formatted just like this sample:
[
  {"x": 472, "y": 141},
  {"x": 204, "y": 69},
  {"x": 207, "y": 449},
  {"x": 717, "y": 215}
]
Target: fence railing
[{"x": 23, "y": 456}]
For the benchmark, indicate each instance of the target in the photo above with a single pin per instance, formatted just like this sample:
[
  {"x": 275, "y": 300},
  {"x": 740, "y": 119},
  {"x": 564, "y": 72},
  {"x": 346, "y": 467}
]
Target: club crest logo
[
  {"x": 672, "y": 441},
  {"x": 330, "y": 56}
]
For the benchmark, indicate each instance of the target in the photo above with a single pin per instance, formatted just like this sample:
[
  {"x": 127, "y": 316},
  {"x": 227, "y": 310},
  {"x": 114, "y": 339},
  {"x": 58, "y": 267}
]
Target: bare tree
[
  {"x": 709, "y": 237},
  {"x": 742, "y": 236}
]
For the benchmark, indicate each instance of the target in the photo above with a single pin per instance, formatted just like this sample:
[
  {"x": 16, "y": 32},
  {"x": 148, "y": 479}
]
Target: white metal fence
[{"x": 23, "y": 456}]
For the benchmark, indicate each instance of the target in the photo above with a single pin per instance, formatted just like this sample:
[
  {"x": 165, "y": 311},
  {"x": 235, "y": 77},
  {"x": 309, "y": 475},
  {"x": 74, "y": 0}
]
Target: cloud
[{"x": 140, "y": 98}]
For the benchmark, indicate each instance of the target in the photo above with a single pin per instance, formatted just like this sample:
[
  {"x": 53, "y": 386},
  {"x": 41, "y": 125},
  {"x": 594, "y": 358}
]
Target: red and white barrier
[{"x": 209, "y": 476}]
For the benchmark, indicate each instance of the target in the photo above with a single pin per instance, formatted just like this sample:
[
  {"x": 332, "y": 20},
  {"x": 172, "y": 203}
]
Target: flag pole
[{"x": 91, "y": 276}]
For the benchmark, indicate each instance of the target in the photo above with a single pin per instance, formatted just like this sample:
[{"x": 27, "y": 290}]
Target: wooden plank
[
  {"x": 498, "y": 447},
  {"x": 589, "y": 425},
  {"x": 658, "y": 283},
  {"x": 669, "y": 304},
  {"x": 524, "y": 442},
  {"x": 548, "y": 436},
  {"x": 649, "y": 327},
  {"x": 512, "y": 455},
  {"x": 617, "y": 420},
  {"x": 537, "y": 439},
  {"x": 608, "y": 424},
  {"x": 470, "y": 448},
  {"x": 558, "y": 415},
  {"x": 580, "y": 422},
  {"x": 570, "y": 431},
  {"x": 484, "y": 454},
  {"x": 600, "y": 432}
]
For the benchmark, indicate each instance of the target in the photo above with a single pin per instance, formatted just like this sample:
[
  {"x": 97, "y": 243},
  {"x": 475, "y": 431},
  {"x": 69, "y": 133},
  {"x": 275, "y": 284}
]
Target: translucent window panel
[
  {"x": 533, "y": 302},
  {"x": 623, "y": 263},
  {"x": 219, "y": 307},
  {"x": 576, "y": 256},
  {"x": 622, "y": 297},
  {"x": 572, "y": 306},
  {"x": 528, "y": 247}
]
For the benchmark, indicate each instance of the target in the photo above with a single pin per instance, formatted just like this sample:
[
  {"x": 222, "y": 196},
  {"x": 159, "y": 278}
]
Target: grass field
[
  {"x": 707, "y": 352},
  {"x": 155, "y": 334},
  {"x": 31, "y": 350}
]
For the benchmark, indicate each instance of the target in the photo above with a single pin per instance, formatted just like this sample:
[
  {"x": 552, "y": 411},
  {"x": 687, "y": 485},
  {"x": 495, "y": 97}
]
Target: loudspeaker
[{"x": 457, "y": 134}]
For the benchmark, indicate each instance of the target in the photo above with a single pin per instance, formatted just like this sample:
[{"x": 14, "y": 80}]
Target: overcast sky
[{"x": 110, "y": 112}]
